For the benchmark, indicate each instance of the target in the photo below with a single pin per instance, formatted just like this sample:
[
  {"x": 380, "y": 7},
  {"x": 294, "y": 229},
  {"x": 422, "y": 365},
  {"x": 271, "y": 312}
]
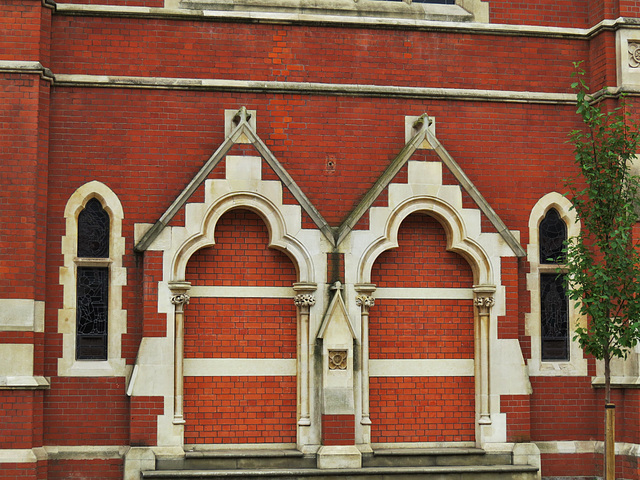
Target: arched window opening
[
  {"x": 554, "y": 303},
  {"x": 92, "y": 287}
]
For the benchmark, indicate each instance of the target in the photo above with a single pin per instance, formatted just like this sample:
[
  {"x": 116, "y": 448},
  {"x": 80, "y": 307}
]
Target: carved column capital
[
  {"x": 365, "y": 301},
  {"x": 179, "y": 294},
  {"x": 180, "y": 299},
  {"x": 304, "y": 300},
  {"x": 484, "y": 298}
]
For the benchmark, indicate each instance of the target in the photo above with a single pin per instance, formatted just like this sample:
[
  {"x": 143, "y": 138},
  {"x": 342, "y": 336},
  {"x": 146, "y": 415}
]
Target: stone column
[
  {"x": 365, "y": 301},
  {"x": 483, "y": 302},
  {"x": 304, "y": 300},
  {"x": 179, "y": 298}
]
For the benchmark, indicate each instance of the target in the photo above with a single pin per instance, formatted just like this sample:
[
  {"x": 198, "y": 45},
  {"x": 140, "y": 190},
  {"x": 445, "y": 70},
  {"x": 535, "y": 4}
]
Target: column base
[{"x": 339, "y": 456}]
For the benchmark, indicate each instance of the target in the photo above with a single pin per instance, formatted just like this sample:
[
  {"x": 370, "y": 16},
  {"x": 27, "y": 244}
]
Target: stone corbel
[
  {"x": 365, "y": 301},
  {"x": 484, "y": 300},
  {"x": 304, "y": 300},
  {"x": 179, "y": 298}
]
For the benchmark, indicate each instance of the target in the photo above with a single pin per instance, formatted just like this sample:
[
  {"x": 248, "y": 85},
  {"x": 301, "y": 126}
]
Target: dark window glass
[
  {"x": 93, "y": 231},
  {"x": 553, "y": 233},
  {"x": 92, "y": 313},
  {"x": 554, "y": 321}
]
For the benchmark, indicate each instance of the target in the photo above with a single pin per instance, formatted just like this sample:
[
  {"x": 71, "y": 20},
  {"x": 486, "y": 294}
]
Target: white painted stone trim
[
  {"x": 23, "y": 382},
  {"x": 17, "y": 455},
  {"x": 115, "y": 364},
  {"x": 422, "y": 368},
  {"x": 587, "y": 446},
  {"x": 426, "y": 293},
  {"x": 314, "y": 88},
  {"x": 215, "y": 291},
  {"x": 577, "y": 365},
  {"x": 239, "y": 367},
  {"x": 16, "y": 359},
  {"x": 21, "y": 314}
]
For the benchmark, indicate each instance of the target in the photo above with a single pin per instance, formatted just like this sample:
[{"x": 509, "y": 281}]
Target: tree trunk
[{"x": 609, "y": 424}]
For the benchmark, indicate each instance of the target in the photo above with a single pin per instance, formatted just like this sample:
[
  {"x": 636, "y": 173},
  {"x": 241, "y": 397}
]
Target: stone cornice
[
  {"x": 348, "y": 21},
  {"x": 14, "y": 66},
  {"x": 310, "y": 88}
]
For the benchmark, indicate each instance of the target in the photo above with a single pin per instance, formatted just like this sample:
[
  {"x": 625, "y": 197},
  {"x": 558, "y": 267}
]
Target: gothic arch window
[
  {"x": 554, "y": 304},
  {"x": 552, "y": 317},
  {"x": 92, "y": 285},
  {"x": 92, "y": 320}
]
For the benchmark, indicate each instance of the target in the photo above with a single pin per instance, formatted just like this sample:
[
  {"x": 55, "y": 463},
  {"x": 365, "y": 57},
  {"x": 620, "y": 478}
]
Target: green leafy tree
[{"x": 603, "y": 262}]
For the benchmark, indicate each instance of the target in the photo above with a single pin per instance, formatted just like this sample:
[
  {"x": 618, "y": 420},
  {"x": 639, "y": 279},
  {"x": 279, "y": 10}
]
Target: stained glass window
[
  {"x": 555, "y": 317},
  {"x": 92, "y": 313},
  {"x": 554, "y": 304},
  {"x": 553, "y": 233},
  {"x": 93, "y": 231},
  {"x": 92, "y": 289}
]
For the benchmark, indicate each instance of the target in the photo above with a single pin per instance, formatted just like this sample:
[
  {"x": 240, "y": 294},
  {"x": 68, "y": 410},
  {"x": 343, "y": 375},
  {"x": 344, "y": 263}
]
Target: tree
[{"x": 603, "y": 262}]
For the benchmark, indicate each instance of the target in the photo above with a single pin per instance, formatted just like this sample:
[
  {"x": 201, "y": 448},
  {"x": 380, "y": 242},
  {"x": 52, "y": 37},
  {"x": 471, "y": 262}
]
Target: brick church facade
[{"x": 293, "y": 229}]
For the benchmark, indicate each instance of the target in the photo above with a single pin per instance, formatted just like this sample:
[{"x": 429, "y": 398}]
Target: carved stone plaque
[{"x": 338, "y": 359}]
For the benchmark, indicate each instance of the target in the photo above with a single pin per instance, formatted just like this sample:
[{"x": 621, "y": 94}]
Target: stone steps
[
  {"x": 382, "y": 464},
  {"x": 464, "y": 472}
]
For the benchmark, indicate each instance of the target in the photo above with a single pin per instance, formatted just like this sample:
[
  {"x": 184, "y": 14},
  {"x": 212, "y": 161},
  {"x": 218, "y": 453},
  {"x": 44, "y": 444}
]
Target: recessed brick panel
[
  {"x": 422, "y": 409},
  {"x": 240, "y": 409}
]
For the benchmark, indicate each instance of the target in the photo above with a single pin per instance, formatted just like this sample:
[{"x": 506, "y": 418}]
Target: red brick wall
[
  {"x": 338, "y": 430},
  {"x": 518, "y": 410},
  {"x": 19, "y": 169},
  {"x": 182, "y": 49},
  {"x": 421, "y": 329},
  {"x": 587, "y": 464},
  {"x": 422, "y": 409},
  {"x": 240, "y": 328},
  {"x": 20, "y": 24},
  {"x": 564, "y": 408},
  {"x": 144, "y": 413},
  {"x": 111, "y": 469},
  {"x": 22, "y": 471},
  {"x": 571, "y": 13},
  {"x": 18, "y": 424},
  {"x": 240, "y": 410},
  {"x": 86, "y": 411}
]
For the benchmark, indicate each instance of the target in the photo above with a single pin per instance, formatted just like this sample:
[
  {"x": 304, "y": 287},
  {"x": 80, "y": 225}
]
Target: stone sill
[
  {"x": 617, "y": 382},
  {"x": 25, "y": 382}
]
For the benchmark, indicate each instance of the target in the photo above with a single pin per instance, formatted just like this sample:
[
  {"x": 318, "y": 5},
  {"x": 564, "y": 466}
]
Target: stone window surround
[
  {"x": 115, "y": 364},
  {"x": 577, "y": 364}
]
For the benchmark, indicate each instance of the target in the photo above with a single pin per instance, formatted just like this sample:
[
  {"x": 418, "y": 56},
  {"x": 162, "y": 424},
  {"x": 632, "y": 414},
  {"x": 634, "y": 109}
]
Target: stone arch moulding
[
  {"x": 280, "y": 235},
  {"x": 577, "y": 364},
  {"x": 241, "y": 188},
  {"x": 117, "y": 323},
  {"x": 457, "y": 238},
  {"x": 498, "y": 364}
]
